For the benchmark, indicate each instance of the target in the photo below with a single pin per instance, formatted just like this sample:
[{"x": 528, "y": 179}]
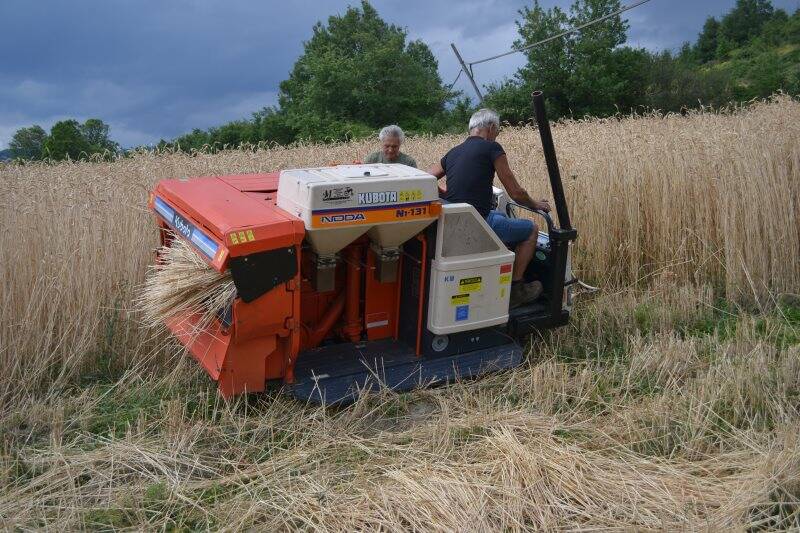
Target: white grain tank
[
  {"x": 391, "y": 203},
  {"x": 470, "y": 284}
]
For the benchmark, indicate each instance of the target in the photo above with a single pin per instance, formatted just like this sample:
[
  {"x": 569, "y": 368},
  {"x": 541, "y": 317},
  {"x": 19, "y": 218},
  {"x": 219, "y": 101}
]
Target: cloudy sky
[{"x": 154, "y": 69}]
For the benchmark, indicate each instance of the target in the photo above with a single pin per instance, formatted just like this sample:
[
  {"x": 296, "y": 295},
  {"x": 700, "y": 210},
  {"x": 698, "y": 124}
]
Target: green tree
[
  {"x": 273, "y": 126},
  {"x": 27, "y": 143},
  {"x": 66, "y": 141},
  {"x": 547, "y": 69},
  {"x": 234, "y": 134},
  {"x": 597, "y": 82},
  {"x": 358, "y": 73},
  {"x": 673, "y": 83},
  {"x": 195, "y": 140},
  {"x": 746, "y": 20},
  {"x": 707, "y": 43},
  {"x": 792, "y": 30},
  {"x": 96, "y": 133},
  {"x": 774, "y": 31},
  {"x": 584, "y": 73}
]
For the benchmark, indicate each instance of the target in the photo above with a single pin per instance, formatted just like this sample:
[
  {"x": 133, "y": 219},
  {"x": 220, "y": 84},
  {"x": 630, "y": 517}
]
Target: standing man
[
  {"x": 470, "y": 168},
  {"x": 391, "y": 138}
]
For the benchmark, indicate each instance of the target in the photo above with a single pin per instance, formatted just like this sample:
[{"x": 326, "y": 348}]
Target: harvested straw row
[{"x": 510, "y": 474}]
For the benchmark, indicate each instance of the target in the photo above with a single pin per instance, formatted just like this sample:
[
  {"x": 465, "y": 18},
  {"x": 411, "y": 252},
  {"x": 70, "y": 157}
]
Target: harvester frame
[{"x": 330, "y": 321}]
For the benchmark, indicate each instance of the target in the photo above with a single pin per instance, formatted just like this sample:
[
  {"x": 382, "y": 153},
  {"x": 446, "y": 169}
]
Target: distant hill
[{"x": 5, "y": 155}]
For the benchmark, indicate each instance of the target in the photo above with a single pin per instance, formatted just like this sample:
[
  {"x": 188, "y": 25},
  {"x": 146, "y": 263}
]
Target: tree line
[
  {"x": 358, "y": 73},
  {"x": 67, "y": 139}
]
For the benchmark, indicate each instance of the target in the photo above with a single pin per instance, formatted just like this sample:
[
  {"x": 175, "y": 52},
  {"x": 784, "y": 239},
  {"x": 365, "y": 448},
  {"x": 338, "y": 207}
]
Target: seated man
[
  {"x": 470, "y": 168},
  {"x": 391, "y": 138}
]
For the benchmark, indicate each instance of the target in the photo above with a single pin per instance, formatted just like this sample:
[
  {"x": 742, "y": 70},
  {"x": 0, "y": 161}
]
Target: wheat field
[{"x": 670, "y": 402}]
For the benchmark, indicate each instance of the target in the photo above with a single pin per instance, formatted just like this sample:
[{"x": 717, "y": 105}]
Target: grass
[{"x": 670, "y": 402}]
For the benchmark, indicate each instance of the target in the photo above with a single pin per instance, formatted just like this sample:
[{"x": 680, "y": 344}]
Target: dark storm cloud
[{"x": 154, "y": 69}]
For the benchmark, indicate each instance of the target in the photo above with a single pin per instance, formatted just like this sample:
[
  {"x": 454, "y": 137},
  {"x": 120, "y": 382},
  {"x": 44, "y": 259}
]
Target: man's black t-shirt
[{"x": 470, "y": 172}]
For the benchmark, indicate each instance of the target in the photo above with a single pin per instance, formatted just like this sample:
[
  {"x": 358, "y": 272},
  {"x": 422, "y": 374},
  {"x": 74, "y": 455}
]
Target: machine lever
[{"x": 545, "y": 215}]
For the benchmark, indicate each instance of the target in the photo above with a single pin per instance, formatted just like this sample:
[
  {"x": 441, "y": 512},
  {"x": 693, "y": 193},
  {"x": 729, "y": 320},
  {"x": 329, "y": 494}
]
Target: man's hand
[{"x": 542, "y": 205}]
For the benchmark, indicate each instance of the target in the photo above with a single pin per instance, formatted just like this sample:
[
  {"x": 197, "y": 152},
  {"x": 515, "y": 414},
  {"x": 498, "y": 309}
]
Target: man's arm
[
  {"x": 514, "y": 189},
  {"x": 438, "y": 171}
]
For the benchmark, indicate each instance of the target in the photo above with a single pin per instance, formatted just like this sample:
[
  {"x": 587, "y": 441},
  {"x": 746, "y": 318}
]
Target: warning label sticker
[
  {"x": 505, "y": 279},
  {"x": 459, "y": 299},
  {"x": 242, "y": 237},
  {"x": 473, "y": 284}
]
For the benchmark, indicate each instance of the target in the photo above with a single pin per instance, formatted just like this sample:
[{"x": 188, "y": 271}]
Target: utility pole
[{"x": 468, "y": 72}]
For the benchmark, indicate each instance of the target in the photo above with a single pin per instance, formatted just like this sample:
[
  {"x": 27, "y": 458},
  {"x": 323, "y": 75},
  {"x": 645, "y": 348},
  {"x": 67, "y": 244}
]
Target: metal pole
[{"x": 468, "y": 72}]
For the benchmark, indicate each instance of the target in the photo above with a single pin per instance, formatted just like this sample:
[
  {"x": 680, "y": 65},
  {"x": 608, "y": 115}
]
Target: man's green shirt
[{"x": 403, "y": 159}]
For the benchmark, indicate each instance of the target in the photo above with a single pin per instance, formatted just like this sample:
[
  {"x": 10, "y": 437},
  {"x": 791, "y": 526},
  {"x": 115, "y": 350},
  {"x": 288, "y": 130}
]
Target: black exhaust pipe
[
  {"x": 552, "y": 161},
  {"x": 559, "y": 237}
]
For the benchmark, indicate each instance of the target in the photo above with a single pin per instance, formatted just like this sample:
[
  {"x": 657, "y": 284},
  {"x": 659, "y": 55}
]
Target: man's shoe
[
  {"x": 536, "y": 289},
  {"x": 523, "y": 293}
]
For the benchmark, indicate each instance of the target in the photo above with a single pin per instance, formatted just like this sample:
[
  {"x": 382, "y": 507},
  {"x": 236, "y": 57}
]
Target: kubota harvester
[{"x": 355, "y": 277}]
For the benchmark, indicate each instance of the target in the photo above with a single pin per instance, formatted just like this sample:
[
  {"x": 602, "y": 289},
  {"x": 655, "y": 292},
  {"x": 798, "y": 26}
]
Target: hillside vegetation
[{"x": 670, "y": 402}]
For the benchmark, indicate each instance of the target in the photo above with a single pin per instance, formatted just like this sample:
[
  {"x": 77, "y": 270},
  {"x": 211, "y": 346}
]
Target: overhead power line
[{"x": 562, "y": 34}]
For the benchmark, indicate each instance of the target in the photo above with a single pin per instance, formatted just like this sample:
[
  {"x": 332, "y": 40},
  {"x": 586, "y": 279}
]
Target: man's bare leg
[
  {"x": 521, "y": 292},
  {"x": 524, "y": 253}
]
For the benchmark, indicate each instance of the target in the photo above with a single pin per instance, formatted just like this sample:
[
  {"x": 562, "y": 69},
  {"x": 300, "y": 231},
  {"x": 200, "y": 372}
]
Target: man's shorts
[{"x": 511, "y": 231}]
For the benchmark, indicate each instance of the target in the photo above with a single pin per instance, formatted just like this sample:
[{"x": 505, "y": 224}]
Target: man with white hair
[
  {"x": 470, "y": 168},
  {"x": 391, "y": 138}
]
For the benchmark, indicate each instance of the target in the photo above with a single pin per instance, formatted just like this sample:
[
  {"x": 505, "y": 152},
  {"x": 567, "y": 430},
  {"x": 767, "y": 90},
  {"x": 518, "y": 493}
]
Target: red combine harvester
[{"x": 355, "y": 277}]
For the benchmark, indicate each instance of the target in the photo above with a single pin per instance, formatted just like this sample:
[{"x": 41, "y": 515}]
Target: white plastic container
[{"x": 470, "y": 282}]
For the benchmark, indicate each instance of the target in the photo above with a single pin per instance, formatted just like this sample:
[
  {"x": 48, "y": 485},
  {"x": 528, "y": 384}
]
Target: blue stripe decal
[
  {"x": 164, "y": 210},
  {"x": 370, "y": 208},
  {"x": 204, "y": 243},
  {"x": 186, "y": 229}
]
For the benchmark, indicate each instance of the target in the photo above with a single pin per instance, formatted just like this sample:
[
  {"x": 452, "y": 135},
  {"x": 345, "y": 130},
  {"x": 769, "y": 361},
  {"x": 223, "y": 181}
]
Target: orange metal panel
[
  {"x": 380, "y": 303},
  {"x": 245, "y": 366},
  {"x": 266, "y": 315},
  {"x": 352, "y": 327},
  {"x": 208, "y": 346},
  {"x": 253, "y": 182},
  {"x": 236, "y": 366},
  {"x": 243, "y": 222}
]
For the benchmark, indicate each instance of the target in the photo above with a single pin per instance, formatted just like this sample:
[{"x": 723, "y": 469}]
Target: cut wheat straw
[{"x": 184, "y": 284}]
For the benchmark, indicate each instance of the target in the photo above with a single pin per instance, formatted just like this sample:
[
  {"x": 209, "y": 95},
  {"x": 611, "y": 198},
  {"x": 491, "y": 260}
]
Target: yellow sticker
[
  {"x": 234, "y": 240},
  {"x": 502, "y": 292},
  {"x": 250, "y": 236},
  {"x": 410, "y": 196},
  {"x": 459, "y": 299},
  {"x": 505, "y": 279},
  {"x": 470, "y": 284}
]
